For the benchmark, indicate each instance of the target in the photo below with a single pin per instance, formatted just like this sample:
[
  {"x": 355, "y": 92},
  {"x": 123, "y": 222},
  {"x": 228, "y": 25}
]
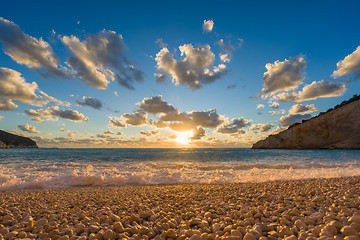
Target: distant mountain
[
  {"x": 338, "y": 128},
  {"x": 9, "y": 140}
]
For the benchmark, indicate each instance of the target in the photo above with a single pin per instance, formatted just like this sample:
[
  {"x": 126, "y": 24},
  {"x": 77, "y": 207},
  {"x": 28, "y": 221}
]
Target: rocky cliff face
[
  {"x": 8, "y": 140},
  {"x": 337, "y": 129}
]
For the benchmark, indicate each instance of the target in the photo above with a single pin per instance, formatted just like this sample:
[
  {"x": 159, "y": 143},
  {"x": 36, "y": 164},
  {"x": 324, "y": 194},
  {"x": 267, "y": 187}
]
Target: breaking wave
[{"x": 70, "y": 174}]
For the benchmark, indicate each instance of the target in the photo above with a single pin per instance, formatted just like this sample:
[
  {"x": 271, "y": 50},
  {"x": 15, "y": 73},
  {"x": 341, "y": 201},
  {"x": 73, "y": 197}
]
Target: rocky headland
[
  {"x": 9, "y": 140},
  {"x": 338, "y": 128}
]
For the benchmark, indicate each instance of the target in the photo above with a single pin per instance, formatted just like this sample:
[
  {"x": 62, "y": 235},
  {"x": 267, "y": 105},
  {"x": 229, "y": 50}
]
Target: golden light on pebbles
[{"x": 307, "y": 209}]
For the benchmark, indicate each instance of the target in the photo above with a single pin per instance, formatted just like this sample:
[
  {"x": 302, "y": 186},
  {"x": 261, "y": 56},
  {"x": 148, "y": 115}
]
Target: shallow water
[{"x": 53, "y": 168}]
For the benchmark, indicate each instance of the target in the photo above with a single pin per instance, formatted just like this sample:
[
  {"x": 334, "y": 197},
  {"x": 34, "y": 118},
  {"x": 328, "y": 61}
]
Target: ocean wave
[{"x": 62, "y": 175}]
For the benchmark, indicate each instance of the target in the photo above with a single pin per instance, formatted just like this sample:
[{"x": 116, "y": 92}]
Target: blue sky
[{"x": 300, "y": 57}]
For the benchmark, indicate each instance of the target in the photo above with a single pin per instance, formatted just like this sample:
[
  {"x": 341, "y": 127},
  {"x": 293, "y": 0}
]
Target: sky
[{"x": 170, "y": 74}]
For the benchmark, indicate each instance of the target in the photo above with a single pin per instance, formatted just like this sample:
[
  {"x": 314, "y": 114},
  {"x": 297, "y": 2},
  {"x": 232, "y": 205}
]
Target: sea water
[{"x": 57, "y": 168}]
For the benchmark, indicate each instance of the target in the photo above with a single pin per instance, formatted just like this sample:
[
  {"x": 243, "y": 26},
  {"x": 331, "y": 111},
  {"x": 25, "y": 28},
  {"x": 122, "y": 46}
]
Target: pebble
[{"x": 302, "y": 209}]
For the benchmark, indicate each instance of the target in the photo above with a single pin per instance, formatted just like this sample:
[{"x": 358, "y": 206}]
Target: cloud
[
  {"x": 1, "y": 117},
  {"x": 233, "y": 127},
  {"x": 262, "y": 127},
  {"x": 24, "y": 49},
  {"x": 283, "y": 76},
  {"x": 193, "y": 71},
  {"x": 170, "y": 117},
  {"x": 274, "y": 105},
  {"x": 50, "y": 112},
  {"x": 117, "y": 123},
  {"x": 259, "y": 106},
  {"x": 28, "y": 128},
  {"x": 224, "y": 57},
  {"x": 321, "y": 89},
  {"x": 228, "y": 49},
  {"x": 189, "y": 120},
  {"x": 91, "y": 102},
  {"x": 161, "y": 43},
  {"x": 167, "y": 116},
  {"x": 291, "y": 119},
  {"x": 155, "y": 105},
  {"x": 148, "y": 133},
  {"x": 137, "y": 118},
  {"x": 109, "y": 135},
  {"x": 14, "y": 86},
  {"x": 51, "y": 99},
  {"x": 198, "y": 133},
  {"x": 7, "y": 105},
  {"x": 95, "y": 59},
  {"x": 208, "y": 25},
  {"x": 281, "y": 111},
  {"x": 64, "y": 130},
  {"x": 350, "y": 64},
  {"x": 300, "y": 108}
]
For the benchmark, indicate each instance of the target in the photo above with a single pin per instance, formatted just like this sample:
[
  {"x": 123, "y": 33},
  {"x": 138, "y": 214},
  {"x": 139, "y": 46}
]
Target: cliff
[
  {"x": 8, "y": 140},
  {"x": 338, "y": 128}
]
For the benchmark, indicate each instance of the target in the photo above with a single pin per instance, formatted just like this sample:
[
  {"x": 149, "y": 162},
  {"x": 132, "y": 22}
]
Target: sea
[{"x": 49, "y": 168}]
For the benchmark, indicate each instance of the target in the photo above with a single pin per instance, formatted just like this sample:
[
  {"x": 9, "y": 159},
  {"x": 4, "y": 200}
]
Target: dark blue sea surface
[{"x": 52, "y": 168}]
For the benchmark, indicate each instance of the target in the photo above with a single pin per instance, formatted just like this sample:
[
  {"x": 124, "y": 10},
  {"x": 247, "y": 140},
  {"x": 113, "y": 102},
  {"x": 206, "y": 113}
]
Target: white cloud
[
  {"x": 284, "y": 76},
  {"x": 50, "y": 112},
  {"x": 281, "y": 111},
  {"x": 194, "y": 70},
  {"x": 224, "y": 57},
  {"x": 350, "y": 64},
  {"x": 208, "y": 25},
  {"x": 300, "y": 108},
  {"x": 28, "y": 128},
  {"x": 291, "y": 119},
  {"x": 51, "y": 99},
  {"x": 321, "y": 89},
  {"x": 228, "y": 49},
  {"x": 7, "y": 105},
  {"x": 95, "y": 58},
  {"x": 27, "y": 50},
  {"x": 259, "y": 106},
  {"x": 14, "y": 86},
  {"x": 274, "y": 105}
]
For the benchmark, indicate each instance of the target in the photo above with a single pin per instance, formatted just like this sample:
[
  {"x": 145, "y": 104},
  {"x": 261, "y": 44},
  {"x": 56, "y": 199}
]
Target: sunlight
[{"x": 184, "y": 137}]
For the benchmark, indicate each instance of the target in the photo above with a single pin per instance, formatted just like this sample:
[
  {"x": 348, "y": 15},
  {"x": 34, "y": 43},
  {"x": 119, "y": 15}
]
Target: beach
[{"x": 300, "y": 209}]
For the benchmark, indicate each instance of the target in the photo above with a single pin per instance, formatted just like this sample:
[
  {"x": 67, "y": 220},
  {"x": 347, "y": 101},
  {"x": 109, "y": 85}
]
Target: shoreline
[
  {"x": 82, "y": 187},
  {"x": 293, "y": 209}
]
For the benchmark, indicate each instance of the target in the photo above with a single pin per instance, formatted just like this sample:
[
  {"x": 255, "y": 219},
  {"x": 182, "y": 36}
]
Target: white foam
[{"x": 46, "y": 175}]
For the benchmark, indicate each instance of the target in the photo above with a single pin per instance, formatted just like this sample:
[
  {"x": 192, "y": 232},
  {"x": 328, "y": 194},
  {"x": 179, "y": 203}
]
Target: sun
[{"x": 184, "y": 137}]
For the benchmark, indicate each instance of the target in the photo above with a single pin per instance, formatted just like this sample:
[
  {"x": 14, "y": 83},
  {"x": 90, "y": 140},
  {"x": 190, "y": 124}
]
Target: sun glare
[{"x": 184, "y": 137}]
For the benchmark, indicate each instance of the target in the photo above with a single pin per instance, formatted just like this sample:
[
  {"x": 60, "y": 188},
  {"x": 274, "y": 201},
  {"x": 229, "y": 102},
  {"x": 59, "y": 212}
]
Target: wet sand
[{"x": 302, "y": 209}]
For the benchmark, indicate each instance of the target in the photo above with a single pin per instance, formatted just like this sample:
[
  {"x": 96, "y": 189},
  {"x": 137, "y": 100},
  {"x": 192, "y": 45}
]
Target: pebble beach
[{"x": 301, "y": 209}]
